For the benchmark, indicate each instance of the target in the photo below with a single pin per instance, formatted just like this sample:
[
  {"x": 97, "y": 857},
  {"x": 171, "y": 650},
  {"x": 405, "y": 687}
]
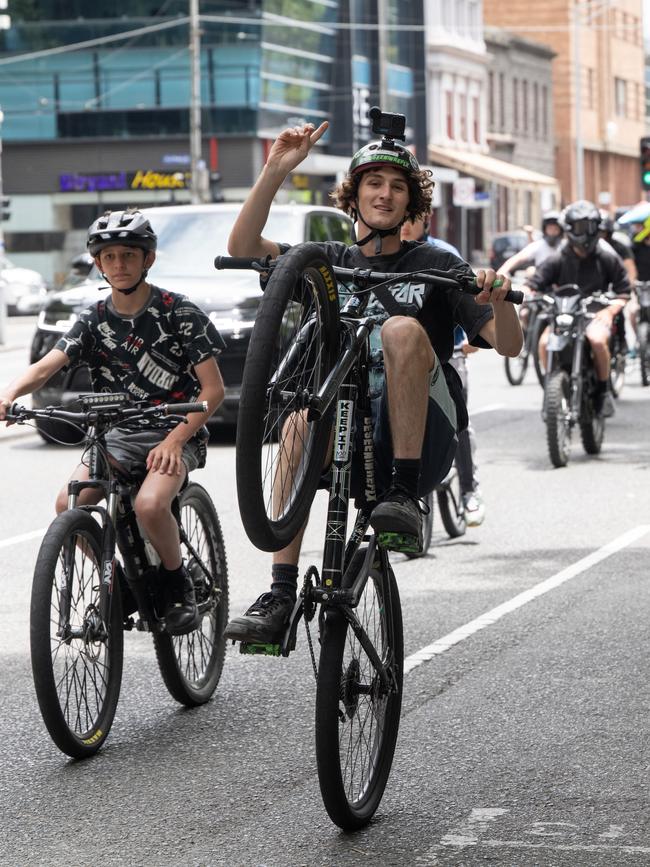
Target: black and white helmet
[{"x": 129, "y": 228}]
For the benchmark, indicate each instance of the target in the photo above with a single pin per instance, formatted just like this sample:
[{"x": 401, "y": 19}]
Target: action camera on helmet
[{"x": 389, "y": 126}]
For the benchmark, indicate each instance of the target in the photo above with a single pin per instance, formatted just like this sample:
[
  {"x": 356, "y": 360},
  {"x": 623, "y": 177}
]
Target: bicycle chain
[{"x": 309, "y": 609}]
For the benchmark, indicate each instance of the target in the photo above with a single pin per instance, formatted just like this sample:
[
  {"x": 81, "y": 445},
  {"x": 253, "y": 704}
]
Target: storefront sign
[
  {"x": 76, "y": 182},
  {"x": 81, "y": 183}
]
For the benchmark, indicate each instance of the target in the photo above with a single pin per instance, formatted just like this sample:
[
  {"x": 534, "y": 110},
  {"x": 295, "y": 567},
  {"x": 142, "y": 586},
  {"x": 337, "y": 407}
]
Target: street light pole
[{"x": 196, "y": 158}]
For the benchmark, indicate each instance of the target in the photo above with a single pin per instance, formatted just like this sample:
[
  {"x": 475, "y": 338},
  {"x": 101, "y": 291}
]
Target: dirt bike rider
[
  {"x": 536, "y": 252},
  {"x": 593, "y": 267},
  {"x": 619, "y": 242},
  {"x": 115, "y": 337},
  {"x": 384, "y": 187}
]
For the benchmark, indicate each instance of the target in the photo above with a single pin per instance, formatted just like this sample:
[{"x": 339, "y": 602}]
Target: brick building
[{"x": 598, "y": 87}]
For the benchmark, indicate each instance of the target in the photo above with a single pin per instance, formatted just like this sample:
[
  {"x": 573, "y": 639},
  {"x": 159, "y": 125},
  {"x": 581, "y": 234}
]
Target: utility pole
[
  {"x": 579, "y": 154},
  {"x": 196, "y": 157},
  {"x": 382, "y": 47}
]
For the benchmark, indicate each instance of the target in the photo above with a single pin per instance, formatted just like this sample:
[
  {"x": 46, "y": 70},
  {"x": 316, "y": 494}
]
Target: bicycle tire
[
  {"x": 618, "y": 364},
  {"x": 191, "y": 664},
  {"x": 293, "y": 347},
  {"x": 539, "y": 326},
  {"x": 516, "y": 367},
  {"x": 450, "y": 503},
  {"x": 558, "y": 429},
  {"x": 427, "y": 529},
  {"x": 643, "y": 350},
  {"x": 77, "y": 676},
  {"x": 357, "y": 722}
]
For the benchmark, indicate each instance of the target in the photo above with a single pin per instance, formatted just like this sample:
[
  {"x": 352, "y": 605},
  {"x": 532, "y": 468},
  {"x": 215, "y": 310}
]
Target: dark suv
[
  {"x": 506, "y": 244},
  {"x": 189, "y": 237}
]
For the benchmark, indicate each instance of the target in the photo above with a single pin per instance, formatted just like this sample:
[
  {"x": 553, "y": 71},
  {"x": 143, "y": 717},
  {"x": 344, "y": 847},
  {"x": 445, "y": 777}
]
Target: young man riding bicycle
[
  {"x": 156, "y": 346},
  {"x": 383, "y": 188}
]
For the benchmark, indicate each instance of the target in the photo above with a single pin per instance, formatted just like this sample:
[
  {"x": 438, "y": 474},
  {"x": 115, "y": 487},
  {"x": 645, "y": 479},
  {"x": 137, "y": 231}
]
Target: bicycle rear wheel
[
  {"x": 294, "y": 344},
  {"x": 357, "y": 715},
  {"x": 450, "y": 503},
  {"x": 516, "y": 367},
  {"x": 76, "y": 659},
  {"x": 191, "y": 664}
]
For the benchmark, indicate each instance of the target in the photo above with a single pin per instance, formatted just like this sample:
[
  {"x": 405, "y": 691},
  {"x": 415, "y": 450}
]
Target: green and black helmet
[{"x": 383, "y": 153}]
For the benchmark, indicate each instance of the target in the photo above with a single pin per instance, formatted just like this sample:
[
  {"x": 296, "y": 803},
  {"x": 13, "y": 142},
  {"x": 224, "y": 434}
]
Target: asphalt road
[{"x": 524, "y": 735}]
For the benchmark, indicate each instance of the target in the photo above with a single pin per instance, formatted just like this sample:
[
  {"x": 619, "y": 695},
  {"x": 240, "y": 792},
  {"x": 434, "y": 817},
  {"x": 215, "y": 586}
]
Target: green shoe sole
[
  {"x": 404, "y": 543},
  {"x": 259, "y": 649}
]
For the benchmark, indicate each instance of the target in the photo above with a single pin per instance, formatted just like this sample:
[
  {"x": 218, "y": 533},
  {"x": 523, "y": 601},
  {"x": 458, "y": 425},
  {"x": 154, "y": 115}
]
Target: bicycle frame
[{"x": 347, "y": 384}]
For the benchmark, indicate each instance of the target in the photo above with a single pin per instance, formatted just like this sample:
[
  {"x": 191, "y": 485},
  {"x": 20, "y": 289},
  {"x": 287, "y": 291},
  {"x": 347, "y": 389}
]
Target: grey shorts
[
  {"x": 440, "y": 438},
  {"x": 130, "y": 448}
]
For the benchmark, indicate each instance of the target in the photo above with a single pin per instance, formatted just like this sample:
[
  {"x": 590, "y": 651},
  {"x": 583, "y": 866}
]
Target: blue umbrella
[{"x": 638, "y": 214}]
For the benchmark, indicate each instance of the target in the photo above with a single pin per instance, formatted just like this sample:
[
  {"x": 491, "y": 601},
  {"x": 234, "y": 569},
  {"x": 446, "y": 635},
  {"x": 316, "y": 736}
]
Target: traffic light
[
  {"x": 645, "y": 162},
  {"x": 5, "y": 212}
]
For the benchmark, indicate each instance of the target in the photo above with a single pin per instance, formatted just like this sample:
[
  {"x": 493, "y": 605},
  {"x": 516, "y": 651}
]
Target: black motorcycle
[
  {"x": 571, "y": 383},
  {"x": 643, "y": 329}
]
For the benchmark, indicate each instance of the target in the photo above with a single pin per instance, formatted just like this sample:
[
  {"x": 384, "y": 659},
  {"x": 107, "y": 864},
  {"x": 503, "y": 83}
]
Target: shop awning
[{"x": 491, "y": 169}]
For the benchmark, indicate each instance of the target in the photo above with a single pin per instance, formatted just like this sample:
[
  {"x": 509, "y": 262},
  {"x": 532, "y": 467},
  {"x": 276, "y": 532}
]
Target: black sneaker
[
  {"x": 264, "y": 622},
  {"x": 397, "y": 521},
  {"x": 181, "y": 614}
]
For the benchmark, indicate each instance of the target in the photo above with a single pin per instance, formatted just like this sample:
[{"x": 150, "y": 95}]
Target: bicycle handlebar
[
  {"x": 462, "y": 282},
  {"x": 234, "y": 262},
  {"x": 18, "y": 413}
]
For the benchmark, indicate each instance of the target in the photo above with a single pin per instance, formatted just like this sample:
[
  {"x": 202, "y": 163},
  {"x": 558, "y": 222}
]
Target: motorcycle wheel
[{"x": 558, "y": 427}]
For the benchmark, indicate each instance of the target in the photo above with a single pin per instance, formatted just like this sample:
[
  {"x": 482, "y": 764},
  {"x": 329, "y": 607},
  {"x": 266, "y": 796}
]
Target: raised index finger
[{"x": 313, "y": 138}]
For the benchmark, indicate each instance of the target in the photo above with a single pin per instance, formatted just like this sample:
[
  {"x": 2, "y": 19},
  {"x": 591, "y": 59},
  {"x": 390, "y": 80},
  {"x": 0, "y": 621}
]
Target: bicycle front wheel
[
  {"x": 280, "y": 450},
  {"x": 358, "y": 702},
  {"x": 76, "y": 657},
  {"x": 191, "y": 664}
]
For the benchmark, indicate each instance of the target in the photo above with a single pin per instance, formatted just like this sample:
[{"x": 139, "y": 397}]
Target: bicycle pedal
[
  {"x": 404, "y": 543},
  {"x": 255, "y": 649}
]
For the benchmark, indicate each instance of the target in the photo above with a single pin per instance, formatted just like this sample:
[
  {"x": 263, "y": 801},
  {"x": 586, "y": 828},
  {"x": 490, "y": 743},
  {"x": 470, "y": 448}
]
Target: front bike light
[{"x": 564, "y": 320}]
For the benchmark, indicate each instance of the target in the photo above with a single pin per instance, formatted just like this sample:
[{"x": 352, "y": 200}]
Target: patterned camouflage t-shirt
[{"x": 151, "y": 355}]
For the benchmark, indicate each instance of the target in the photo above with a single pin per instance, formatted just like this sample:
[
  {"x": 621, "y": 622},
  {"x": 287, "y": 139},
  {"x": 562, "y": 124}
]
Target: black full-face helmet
[
  {"x": 581, "y": 222},
  {"x": 128, "y": 228}
]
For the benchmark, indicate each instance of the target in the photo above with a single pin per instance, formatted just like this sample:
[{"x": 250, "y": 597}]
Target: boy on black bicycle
[
  {"x": 157, "y": 347},
  {"x": 383, "y": 188}
]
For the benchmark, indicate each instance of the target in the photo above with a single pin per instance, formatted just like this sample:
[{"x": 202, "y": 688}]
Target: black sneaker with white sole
[{"x": 264, "y": 624}]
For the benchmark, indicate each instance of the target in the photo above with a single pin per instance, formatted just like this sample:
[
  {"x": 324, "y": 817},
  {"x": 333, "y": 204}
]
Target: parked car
[
  {"x": 506, "y": 244},
  {"x": 189, "y": 238},
  {"x": 25, "y": 290}
]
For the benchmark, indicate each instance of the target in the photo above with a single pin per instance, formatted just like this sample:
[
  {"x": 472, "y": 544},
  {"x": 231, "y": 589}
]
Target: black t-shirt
[
  {"x": 642, "y": 259},
  {"x": 150, "y": 355},
  {"x": 439, "y": 310},
  {"x": 592, "y": 274}
]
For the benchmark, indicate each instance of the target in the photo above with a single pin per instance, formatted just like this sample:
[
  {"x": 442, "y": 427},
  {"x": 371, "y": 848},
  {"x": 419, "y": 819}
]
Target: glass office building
[{"x": 96, "y": 102}]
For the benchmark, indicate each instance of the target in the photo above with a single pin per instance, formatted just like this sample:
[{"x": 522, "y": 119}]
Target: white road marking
[
  {"x": 442, "y": 644},
  {"x": 24, "y": 537},
  {"x": 467, "y": 834}
]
